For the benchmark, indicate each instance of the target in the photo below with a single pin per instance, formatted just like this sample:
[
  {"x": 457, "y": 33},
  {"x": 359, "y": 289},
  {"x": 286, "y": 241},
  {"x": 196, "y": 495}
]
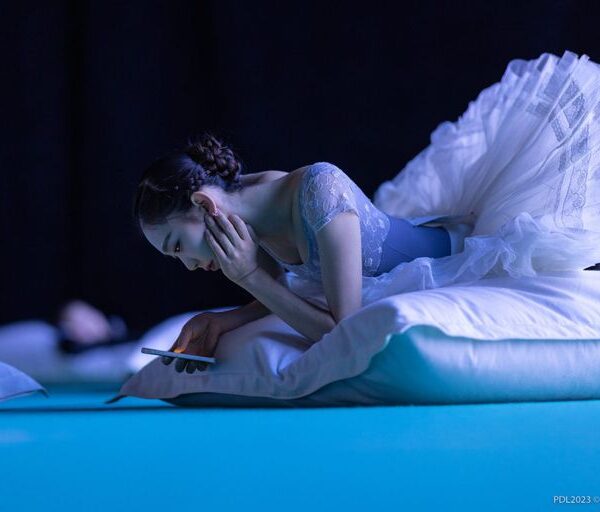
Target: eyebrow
[{"x": 166, "y": 242}]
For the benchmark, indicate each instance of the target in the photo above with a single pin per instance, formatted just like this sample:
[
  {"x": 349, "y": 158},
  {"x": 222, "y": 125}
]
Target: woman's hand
[
  {"x": 200, "y": 336},
  {"x": 234, "y": 243}
]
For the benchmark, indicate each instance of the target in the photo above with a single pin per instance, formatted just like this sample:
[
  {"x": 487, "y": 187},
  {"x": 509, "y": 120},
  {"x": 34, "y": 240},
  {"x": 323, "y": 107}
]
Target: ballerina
[
  {"x": 511, "y": 188},
  {"x": 315, "y": 222}
]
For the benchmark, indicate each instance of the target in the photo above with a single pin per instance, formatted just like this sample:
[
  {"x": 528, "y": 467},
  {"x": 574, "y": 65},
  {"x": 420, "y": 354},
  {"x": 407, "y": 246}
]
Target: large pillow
[
  {"x": 14, "y": 383},
  {"x": 494, "y": 340}
]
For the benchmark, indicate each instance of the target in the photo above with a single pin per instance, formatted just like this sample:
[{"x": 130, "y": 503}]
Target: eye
[{"x": 177, "y": 247}]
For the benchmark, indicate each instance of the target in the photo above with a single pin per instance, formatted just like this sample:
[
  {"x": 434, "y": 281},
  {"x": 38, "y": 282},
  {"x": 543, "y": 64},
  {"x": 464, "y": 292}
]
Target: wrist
[
  {"x": 244, "y": 314},
  {"x": 250, "y": 278},
  {"x": 232, "y": 319},
  {"x": 247, "y": 277}
]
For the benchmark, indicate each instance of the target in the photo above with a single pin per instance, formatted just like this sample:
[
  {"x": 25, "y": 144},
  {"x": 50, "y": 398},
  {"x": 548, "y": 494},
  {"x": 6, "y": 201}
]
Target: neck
[{"x": 266, "y": 206}]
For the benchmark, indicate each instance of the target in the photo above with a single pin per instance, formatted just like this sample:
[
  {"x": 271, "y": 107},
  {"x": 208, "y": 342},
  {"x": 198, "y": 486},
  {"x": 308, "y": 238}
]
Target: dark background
[{"x": 94, "y": 91}]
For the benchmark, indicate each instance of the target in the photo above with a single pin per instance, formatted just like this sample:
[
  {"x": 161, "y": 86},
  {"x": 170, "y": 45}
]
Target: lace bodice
[
  {"x": 520, "y": 161},
  {"x": 325, "y": 191}
]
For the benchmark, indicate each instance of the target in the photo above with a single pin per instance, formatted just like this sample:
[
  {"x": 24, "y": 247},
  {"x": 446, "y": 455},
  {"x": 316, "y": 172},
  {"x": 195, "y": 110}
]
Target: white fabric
[
  {"x": 14, "y": 383},
  {"x": 527, "y": 338},
  {"x": 32, "y": 346},
  {"x": 524, "y": 160}
]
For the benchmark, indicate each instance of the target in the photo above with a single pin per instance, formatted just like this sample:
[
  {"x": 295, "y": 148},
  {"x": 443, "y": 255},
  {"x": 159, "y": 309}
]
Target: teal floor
[{"x": 72, "y": 452}]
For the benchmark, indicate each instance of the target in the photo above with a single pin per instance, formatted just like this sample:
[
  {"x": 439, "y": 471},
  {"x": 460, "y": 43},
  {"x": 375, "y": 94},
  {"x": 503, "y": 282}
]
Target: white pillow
[
  {"x": 498, "y": 339},
  {"x": 32, "y": 346},
  {"x": 14, "y": 383}
]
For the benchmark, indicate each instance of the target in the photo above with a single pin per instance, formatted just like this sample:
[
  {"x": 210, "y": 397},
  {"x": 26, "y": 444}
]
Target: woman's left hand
[{"x": 234, "y": 244}]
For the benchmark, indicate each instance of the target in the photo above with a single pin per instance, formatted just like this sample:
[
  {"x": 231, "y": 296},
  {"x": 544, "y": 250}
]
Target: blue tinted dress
[{"x": 325, "y": 191}]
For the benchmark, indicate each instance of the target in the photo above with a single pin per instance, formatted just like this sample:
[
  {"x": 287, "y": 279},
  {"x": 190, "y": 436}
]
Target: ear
[{"x": 203, "y": 201}]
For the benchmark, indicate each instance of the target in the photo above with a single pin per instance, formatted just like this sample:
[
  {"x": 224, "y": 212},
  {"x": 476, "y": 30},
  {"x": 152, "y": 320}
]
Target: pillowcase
[
  {"x": 14, "y": 383},
  {"x": 498, "y": 339},
  {"x": 440, "y": 369}
]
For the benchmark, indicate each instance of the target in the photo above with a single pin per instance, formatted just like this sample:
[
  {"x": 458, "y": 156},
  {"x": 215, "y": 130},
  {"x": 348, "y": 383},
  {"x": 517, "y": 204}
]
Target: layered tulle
[{"x": 524, "y": 159}]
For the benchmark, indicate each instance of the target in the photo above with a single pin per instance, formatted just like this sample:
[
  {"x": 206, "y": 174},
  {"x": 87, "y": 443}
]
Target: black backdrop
[{"x": 93, "y": 91}]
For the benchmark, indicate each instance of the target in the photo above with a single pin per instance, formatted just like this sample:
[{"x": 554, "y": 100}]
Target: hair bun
[{"x": 214, "y": 156}]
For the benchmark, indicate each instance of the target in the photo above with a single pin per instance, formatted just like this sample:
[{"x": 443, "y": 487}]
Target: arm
[
  {"x": 340, "y": 253},
  {"x": 309, "y": 320},
  {"x": 255, "y": 309},
  {"x": 337, "y": 228},
  {"x": 248, "y": 313}
]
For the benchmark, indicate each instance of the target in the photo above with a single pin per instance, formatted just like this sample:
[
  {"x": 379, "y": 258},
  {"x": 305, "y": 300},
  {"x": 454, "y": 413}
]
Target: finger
[
  {"x": 180, "y": 364},
  {"x": 166, "y": 360},
  {"x": 252, "y": 233},
  {"x": 219, "y": 233},
  {"x": 216, "y": 248},
  {"x": 223, "y": 231},
  {"x": 240, "y": 227},
  {"x": 191, "y": 366},
  {"x": 182, "y": 341}
]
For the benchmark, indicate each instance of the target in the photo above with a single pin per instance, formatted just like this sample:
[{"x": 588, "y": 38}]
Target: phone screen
[{"x": 190, "y": 357}]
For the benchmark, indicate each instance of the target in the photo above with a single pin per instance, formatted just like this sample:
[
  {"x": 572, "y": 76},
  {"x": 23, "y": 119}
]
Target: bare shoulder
[
  {"x": 261, "y": 177},
  {"x": 275, "y": 175},
  {"x": 271, "y": 175}
]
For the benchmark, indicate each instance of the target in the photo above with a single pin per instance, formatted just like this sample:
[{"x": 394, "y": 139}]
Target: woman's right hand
[{"x": 200, "y": 336}]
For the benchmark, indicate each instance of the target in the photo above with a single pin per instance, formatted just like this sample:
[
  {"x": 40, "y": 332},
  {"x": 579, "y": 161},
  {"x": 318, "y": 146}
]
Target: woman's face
[{"x": 183, "y": 237}]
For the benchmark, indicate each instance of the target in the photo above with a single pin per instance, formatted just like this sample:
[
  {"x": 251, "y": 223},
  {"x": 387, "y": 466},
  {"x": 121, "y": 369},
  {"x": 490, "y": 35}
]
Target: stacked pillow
[{"x": 496, "y": 340}]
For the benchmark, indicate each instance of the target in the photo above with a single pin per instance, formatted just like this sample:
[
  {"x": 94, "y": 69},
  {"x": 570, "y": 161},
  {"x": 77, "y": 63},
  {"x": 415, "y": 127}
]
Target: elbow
[
  {"x": 330, "y": 324},
  {"x": 326, "y": 327},
  {"x": 337, "y": 317}
]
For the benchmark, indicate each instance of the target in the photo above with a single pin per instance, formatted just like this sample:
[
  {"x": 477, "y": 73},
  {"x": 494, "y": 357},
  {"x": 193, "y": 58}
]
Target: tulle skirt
[{"x": 523, "y": 160}]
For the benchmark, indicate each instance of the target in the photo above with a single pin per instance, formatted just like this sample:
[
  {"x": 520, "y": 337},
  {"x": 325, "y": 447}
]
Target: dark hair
[{"x": 167, "y": 184}]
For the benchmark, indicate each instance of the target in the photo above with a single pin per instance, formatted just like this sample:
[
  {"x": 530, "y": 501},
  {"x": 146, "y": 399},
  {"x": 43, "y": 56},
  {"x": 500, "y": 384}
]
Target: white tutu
[{"x": 524, "y": 160}]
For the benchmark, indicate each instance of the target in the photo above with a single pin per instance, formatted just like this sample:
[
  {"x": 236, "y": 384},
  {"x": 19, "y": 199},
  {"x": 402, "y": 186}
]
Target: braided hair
[{"x": 166, "y": 186}]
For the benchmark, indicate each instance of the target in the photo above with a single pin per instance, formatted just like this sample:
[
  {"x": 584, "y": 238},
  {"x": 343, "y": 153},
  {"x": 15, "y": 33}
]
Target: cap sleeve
[{"x": 328, "y": 192}]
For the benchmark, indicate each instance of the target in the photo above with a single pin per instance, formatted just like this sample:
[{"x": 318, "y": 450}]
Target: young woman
[{"x": 196, "y": 205}]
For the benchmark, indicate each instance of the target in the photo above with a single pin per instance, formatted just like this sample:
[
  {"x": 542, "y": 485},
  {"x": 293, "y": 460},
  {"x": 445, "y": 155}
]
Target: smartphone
[{"x": 167, "y": 353}]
